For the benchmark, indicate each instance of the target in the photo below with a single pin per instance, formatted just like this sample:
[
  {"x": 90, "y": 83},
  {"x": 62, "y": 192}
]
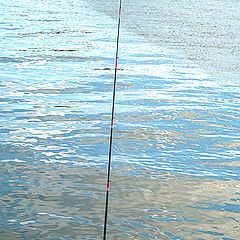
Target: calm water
[{"x": 176, "y": 142}]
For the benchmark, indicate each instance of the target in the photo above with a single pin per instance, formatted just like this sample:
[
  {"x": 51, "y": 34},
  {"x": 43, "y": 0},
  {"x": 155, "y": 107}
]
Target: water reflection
[
  {"x": 67, "y": 202},
  {"x": 176, "y": 139}
]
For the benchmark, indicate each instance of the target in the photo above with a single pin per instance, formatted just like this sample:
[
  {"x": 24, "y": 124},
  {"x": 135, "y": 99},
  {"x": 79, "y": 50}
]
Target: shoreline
[{"x": 204, "y": 33}]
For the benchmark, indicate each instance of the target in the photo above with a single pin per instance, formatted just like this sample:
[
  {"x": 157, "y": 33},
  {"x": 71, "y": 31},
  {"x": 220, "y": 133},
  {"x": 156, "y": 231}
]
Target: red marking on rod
[
  {"x": 119, "y": 11},
  {"x": 108, "y": 185},
  {"x": 112, "y": 123},
  {"x": 116, "y": 62}
]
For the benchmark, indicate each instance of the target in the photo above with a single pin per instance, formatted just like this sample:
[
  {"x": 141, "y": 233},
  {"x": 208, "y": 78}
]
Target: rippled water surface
[{"x": 175, "y": 169}]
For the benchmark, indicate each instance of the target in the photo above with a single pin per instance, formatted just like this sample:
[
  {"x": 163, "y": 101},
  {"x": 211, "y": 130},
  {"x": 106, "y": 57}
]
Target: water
[
  {"x": 205, "y": 32},
  {"x": 176, "y": 142}
]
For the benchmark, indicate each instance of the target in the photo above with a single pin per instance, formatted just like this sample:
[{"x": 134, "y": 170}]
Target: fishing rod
[{"x": 111, "y": 132}]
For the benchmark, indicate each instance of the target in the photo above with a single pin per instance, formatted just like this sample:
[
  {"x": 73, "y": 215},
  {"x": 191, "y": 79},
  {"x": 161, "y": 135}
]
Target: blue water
[{"x": 175, "y": 168}]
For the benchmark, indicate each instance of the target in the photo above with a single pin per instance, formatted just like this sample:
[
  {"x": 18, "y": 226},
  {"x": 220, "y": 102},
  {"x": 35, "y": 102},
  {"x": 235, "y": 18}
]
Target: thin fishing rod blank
[{"x": 111, "y": 132}]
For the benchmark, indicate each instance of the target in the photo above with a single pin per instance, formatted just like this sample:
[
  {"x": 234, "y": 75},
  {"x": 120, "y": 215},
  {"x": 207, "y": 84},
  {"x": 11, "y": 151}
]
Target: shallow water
[
  {"x": 176, "y": 141},
  {"x": 205, "y": 32}
]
